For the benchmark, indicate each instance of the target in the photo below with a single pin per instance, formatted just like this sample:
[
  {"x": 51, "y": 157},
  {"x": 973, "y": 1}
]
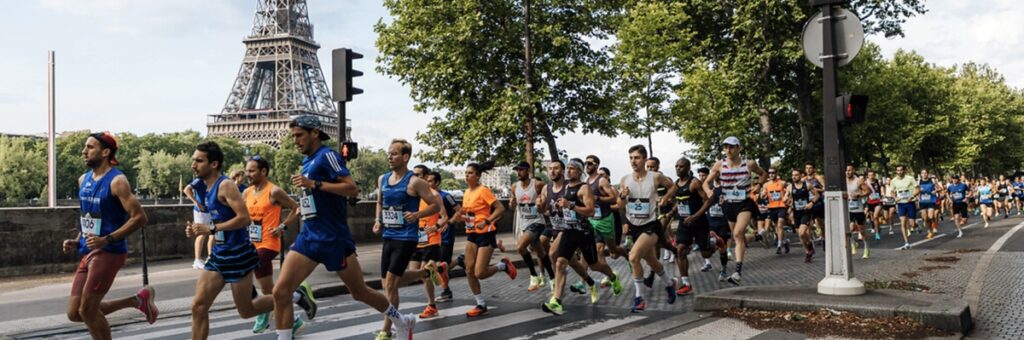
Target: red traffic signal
[
  {"x": 851, "y": 108},
  {"x": 349, "y": 150}
]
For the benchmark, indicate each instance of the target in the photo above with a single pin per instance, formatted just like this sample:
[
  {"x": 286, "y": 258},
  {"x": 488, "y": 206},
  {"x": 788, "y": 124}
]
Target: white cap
[{"x": 731, "y": 141}]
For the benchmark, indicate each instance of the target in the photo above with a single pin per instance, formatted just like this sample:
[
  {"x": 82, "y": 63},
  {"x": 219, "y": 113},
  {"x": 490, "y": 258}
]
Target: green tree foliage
[
  {"x": 464, "y": 59},
  {"x": 159, "y": 172},
  {"x": 23, "y": 169},
  {"x": 365, "y": 169}
]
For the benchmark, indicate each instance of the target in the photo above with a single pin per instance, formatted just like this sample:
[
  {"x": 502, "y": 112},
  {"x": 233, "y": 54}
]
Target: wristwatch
[
  {"x": 283, "y": 226},
  {"x": 318, "y": 184},
  {"x": 213, "y": 228},
  {"x": 110, "y": 239}
]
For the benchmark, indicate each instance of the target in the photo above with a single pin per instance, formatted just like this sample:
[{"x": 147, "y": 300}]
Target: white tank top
[
  {"x": 735, "y": 181},
  {"x": 642, "y": 203},
  {"x": 526, "y": 204},
  {"x": 856, "y": 205}
]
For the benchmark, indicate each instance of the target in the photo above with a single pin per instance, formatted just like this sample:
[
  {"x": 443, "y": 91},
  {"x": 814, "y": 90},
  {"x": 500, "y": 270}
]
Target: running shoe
[
  {"x": 986, "y": 224},
  {"x": 446, "y": 295},
  {"x": 408, "y": 325},
  {"x": 930, "y": 235},
  {"x": 904, "y": 247},
  {"x": 866, "y": 252},
  {"x": 198, "y": 264},
  {"x": 461, "y": 261},
  {"x": 428, "y": 312},
  {"x": 432, "y": 273},
  {"x": 853, "y": 248},
  {"x": 510, "y": 267},
  {"x": 477, "y": 311},
  {"x": 706, "y": 267},
  {"x": 778, "y": 250},
  {"x": 722, "y": 276},
  {"x": 382, "y": 335},
  {"x": 594, "y": 295},
  {"x": 892, "y": 230},
  {"x": 442, "y": 273},
  {"x": 684, "y": 290},
  {"x": 671, "y": 257},
  {"x": 617, "y": 285},
  {"x": 578, "y": 287},
  {"x": 735, "y": 278},
  {"x": 785, "y": 247},
  {"x": 262, "y": 323},
  {"x": 878, "y": 236},
  {"x": 605, "y": 283},
  {"x": 664, "y": 255},
  {"x": 535, "y": 283},
  {"x": 731, "y": 256},
  {"x": 670, "y": 291},
  {"x": 809, "y": 255},
  {"x": 552, "y": 306},
  {"x": 959, "y": 233},
  {"x": 649, "y": 280},
  {"x": 306, "y": 300},
  {"x": 297, "y": 325},
  {"x": 147, "y": 303},
  {"x": 638, "y": 305}
]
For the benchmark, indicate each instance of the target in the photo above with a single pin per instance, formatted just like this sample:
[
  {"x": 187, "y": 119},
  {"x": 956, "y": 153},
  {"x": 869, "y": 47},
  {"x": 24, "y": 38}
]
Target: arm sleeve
[{"x": 335, "y": 165}]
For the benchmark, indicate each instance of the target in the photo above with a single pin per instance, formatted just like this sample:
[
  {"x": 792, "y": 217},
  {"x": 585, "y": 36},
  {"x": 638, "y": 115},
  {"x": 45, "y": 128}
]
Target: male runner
[
  {"x": 548, "y": 202},
  {"x": 817, "y": 187},
  {"x": 653, "y": 164},
  {"x": 233, "y": 256},
  {"x": 571, "y": 210},
  {"x": 603, "y": 220},
  {"x": 906, "y": 190},
  {"x": 720, "y": 232},
  {"x": 735, "y": 174},
  {"x": 875, "y": 203},
  {"x": 927, "y": 200},
  {"x": 803, "y": 199},
  {"x": 889, "y": 205},
  {"x": 957, "y": 193},
  {"x": 524, "y": 200},
  {"x": 428, "y": 246},
  {"x": 447, "y": 235},
  {"x": 639, "y": 190},
  {"x": 856, "y": 191},
  {"x": 777, "y": 190},
  {"x": 109, "y": 213},
  {"x": 324, "y": 237},
  {"x": 1005, "y": 191},
  {"x": 264, "y": 201},
  {"x": 692, "y": 204},
  {"x": 200, "y": 215},
  {"x": 1018, "y": 193}
]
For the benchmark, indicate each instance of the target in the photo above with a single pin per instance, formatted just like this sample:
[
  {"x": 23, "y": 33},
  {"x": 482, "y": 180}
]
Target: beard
[{"x": 92, "y": 163}]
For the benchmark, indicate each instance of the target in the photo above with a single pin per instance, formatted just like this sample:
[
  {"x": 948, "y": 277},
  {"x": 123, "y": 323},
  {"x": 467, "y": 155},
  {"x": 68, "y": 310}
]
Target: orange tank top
[
  {"x": 428, "y": 239},
  {"x": 775, "y": 189},
  {"x": 265, "y": 215}
]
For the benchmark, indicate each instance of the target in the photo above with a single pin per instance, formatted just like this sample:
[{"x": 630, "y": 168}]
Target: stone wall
[{"x": 32, "y": 236}]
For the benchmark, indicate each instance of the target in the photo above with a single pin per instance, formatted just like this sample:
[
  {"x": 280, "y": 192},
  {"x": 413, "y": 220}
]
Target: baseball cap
[
  {"x": 311, "y": 122},
  {"x": 522, "y": 165},
  {"x": 731, "y": 140}
]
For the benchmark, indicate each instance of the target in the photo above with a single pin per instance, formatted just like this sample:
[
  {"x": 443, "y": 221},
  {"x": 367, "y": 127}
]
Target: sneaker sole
[{"x": 151, "y": 305}]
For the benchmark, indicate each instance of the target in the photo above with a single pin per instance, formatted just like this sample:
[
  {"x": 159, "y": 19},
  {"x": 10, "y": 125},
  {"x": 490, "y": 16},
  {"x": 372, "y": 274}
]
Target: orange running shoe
[
  {"x": 510, "y": 268},
  {"x": 477, "y": 311},
  {"x": 428, "y": 312}
]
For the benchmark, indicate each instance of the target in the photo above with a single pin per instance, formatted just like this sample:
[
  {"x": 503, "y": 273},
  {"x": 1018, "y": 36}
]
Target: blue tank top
[
  {"x": 220, "y": 213},
  {"x": 449, "y": 205},
  {"x": 395, "y": 201},
  {"x": 101, "y": 213},
  {"x": 331, "y": 221},
  {"x": 985, "y": 193},
  {"x": 927, "y": 192},
  {"x": 957, "y": 192}
]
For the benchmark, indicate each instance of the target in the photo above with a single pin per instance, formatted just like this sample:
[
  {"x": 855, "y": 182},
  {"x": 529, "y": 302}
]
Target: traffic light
[
  {"x": 349, "y": 150},
  {"x": 342, "y": 74},
  {"x": 851, "y": 108}
]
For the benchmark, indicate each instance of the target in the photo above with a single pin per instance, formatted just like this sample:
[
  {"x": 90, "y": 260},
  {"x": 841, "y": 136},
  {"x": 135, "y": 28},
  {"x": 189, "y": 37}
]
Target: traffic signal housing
[
  {"x": 342, "y": 74},
  {"x": 349, "y": 150},
  {"x": 850, "y": 109}
]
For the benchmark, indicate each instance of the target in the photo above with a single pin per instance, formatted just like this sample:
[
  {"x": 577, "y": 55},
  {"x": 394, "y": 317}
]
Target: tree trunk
[
  {"x": 528, "y": 74},
  {"x": 764, "y": 159},
  {"x": 805, "y": 117},
  {"x": 546, "y": 134}
]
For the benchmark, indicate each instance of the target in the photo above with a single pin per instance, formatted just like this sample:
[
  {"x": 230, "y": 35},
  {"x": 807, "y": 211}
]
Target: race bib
[
  {"x": 569, "y": 216},
  {"x": 422, "y": 237},
  {"x": 255, "y": 232},
  {"x": 392, "y": 217},
  {"x": 201, "y": 217},
  {"x": 776, "y": 196},
  {"x": 762, "y": 208},
  {"x": 927, "y": 198},
  {"x": 91, "y": 225},
  {"x": 639, "y": 209},
  {"x": 307, "y": 206},
  {"x": 800, "y": 204},
  {"x": 597, "y": 213},
  {"x": 683, "y": 209},
  {"x": 219, "y": 236},
  {"x": 734, "y": 195},
  {"x": 1002, "y": 191},
  {"x": 528, "y": 211},
  {"x": 854, "y": 205},
  {"x": 875, "y": 196},
  {"x": 557, "y": 222},
  {"x": 986, "y": 197},
  {"x": 715, "y": 211},
  {"x": 958, "y": 195},
  {"x": 470, "y": 219},
  {"x": 904, "y": 194}
]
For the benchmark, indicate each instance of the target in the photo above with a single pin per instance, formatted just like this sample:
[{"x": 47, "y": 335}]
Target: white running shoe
[
  {"x": 959, "y": 233},
  {"x": 197, "y": 264}
]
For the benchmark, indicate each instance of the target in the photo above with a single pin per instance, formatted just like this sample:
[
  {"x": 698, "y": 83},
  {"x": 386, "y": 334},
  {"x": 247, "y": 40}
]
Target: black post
[
  {"x": 834, "y": 160},
  {"x": 342, "y": 125},
  {"x": 145, "y": 266}
]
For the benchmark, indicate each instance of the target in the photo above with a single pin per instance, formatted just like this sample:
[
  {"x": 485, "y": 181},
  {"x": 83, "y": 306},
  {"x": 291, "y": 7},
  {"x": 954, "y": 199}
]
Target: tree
[
  {"x": 159, "y": 172},
  {"x": 465, "y": 60},
  {"x": 365, "y": 169},
  {"x": 287, "y": 161},
  {"x": 23, "y": 168}
]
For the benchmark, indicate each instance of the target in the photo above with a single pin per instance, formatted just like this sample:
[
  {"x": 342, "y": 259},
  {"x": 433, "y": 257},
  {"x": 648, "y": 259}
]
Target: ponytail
[{"x": 482, "y": 168}]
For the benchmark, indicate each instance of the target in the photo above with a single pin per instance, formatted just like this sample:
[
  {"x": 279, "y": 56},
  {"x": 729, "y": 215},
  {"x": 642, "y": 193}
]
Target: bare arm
[
  {"x": 712, "y": 177},
  {"x": 667, "y": 183},
  {"x": 611, "y": 195},
  {"x": 422, "y": 189},
  {"x": 136, "y": 216},
  {"x": 228, "y": 194},
  {"x": 584, "y": 195},
  {"x": 281, "y": 198},
  {"x": 379, "y": 206}
]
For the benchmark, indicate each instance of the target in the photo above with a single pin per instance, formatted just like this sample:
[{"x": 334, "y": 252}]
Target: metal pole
[
  {"x": 343, "y": 131},
  {"x": 839, "y": 279},
  {"x": 51, "y": 149}
]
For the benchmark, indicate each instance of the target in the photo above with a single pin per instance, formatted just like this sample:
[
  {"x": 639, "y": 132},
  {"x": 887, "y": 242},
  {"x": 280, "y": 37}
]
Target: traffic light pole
[
  {"x": 342, "y": 124},
  {"x": 839, "y": 279}
]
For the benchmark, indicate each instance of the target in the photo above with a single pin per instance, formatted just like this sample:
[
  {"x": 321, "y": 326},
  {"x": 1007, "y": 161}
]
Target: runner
[
  {"x": 233, "y": 256},
  {"x": 639, "y": 191},
  {"x": 927, "y": 203},
  {"x": 776, "y": 191},
  {"x": 720, "y": 232},
  {"x": 108, "y": 214},
  {"x": 1002, "y": 197},
  {"x": 528, "y": 218},
  {"x": 616, "y": 215},
  {"x": 763, "y": 222},
  {"x": 692, "y": 203},
  {"x": 906, "y": 191},
  {"x": 452, "y": 209},
  {"x": 803, "y": 199},
  {"x": 653, "y": 164},
  {"x": 957, "y": 193},
  {"x": 856, "y": 191},
  {"x": 324, "y": 237},
  {"x": 984, "y": 193},
  {"x": 1018, "y": 193},
  {"x": 480, "y": 209},
  {"x": 875, "y": 205},
  {"x": 735, "y": 173},
  {"x": 264, "y": 201},
  {"x": 548, "y": 203},
  {"x": 577, "y": 235},
  {"x": 200, "y": 215},
  {"x": 817, "y": 187},
  {"x": 889, "y": 205},
  {"x": 603, "y": 220}
]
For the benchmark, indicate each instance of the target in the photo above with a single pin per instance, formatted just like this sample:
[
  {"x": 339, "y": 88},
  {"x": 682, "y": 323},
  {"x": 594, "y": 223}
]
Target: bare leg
[{"x": 208, "y": 286}]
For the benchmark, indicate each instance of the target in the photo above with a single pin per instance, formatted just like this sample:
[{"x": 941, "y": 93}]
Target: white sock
[
  {"x": 501, "y": 266},
  {"x": 636, "y": 286},
  {"x": 684, "y": 280},
  {"x": 296, "y": 297},
  {"x": 392, "y": 313},
  {"x": 284, "y": 334},
  {"x": 665, "y": 278},
  {"x": 480, "y": 300},
  {"x": 707, "y": 261}
]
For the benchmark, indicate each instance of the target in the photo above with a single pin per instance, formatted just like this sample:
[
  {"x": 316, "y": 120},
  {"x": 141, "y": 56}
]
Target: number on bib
[
  {"x": 800, "y": 204},
  {"x": 683, "y": 209},
  {"x": 734, "y": 195},
  {"x": 91, "y": 225},
  {"x": 639, "y": 210},
  {"x": 255, "y": 232},
  {"x": 422, "y": 237},
  {"x": 307, "y": 206},
  {"x": 392, "y": 217},
  {"x": 528, "y": 211},
  {"x": 715, "y": 211},
  {"x": 776, "y": 196},
  {"x": 219, "y": 236}
]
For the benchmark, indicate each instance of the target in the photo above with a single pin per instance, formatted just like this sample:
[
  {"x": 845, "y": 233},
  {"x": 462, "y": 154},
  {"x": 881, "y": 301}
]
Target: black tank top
[
  {"x": 555, "y": 212},
  {"x": 800, "y": 196},
  {"x": 572, "y": 219},
  {"x": 603, "y": 208},
  {"x": 687, "y": 203}
]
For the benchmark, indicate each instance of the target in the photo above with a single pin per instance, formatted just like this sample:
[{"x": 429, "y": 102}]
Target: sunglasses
[
  {"x": 255, "y": 158},
  {"x": 589, "y": 163}
]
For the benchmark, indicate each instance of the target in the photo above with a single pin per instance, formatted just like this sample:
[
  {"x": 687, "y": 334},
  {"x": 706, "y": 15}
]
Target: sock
[
  {"x": 707, "y": 261},
  {"x": 296, "y": 297},
  {"x": 480, "y": 300},
  {"x": 724, "y": 259},
  {"x": 739, "y": 267},
  {"x": 865, "y": 240},
  {"x": 684, "y": 280},
  {"x": 529, "y": 264},
  {"x": 590, "y": 280},
  {"x": 284, "y": 334},
  {"x": 778, "y": 243},
  {"x": 393, "y": 313},
  {"x": 546, "y": 262},
  {"x": 667, "y": 280},
  {"x": 501, "y": 266},
  {"x": 636, "y": 286}
]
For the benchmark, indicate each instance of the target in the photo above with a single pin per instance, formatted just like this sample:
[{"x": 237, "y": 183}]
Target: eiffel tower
[{"x": 280, "y": 78}]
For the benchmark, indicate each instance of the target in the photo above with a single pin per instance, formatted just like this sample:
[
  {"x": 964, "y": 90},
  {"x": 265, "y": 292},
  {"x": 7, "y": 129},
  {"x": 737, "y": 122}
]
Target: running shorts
[
  {"x": 778, "y": 214},
  {"x": 652, "y": 228},
  {"x": 234, "y": 264},
  {"x": 96, "y": 272},
  {"x": 484, "y": 240},
  {"x": 697, "y": 232},
  {"x": 907, "y": 210},
  {"x": 333, "y": 255},
  {"x": 802, "y": 217},
  {"x": 604, "y": 228},
  {"x": 960, "y": 209},
  {"x": 583, "y": 241},
  {"x": 534, "y": 230},
  {"x": 446, "y": 252},
  {"x": 428, "y": 253},
  {"x": 925, "y": 206},
  {"x": 266, "y": 264},
  {"x": 395, "y": 256},
  {"x": 733, "y": 209},
  {"x": 858, "y": 218}
]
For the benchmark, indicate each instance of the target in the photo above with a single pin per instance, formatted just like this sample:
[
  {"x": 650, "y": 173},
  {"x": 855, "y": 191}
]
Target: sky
[{"x": 164, "y": 65}]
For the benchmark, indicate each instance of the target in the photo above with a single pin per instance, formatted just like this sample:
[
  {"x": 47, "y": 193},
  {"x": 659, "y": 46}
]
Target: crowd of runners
[{"x": 580, "y": 218}]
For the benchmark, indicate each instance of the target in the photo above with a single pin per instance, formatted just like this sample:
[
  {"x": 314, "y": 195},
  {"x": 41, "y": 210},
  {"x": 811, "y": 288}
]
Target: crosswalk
[{"x": 342, "y": 318}]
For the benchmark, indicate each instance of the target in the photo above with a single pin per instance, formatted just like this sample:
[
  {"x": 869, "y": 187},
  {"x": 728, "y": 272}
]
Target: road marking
[
  {"x": 573, "y": 330},
  {"x": 973, "y": 291},
  {"x": 329, "y": 318},
  {"x": 915, "y": 244},
  {"x": 483, "y": 325},
  {"x": 364, "y": 328}
]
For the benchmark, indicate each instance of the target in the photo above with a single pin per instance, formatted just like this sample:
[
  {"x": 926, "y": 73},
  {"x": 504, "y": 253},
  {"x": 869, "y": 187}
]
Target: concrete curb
[
  {"x": 930, "y": 309},
  {"x": 338, "y": 288}
]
